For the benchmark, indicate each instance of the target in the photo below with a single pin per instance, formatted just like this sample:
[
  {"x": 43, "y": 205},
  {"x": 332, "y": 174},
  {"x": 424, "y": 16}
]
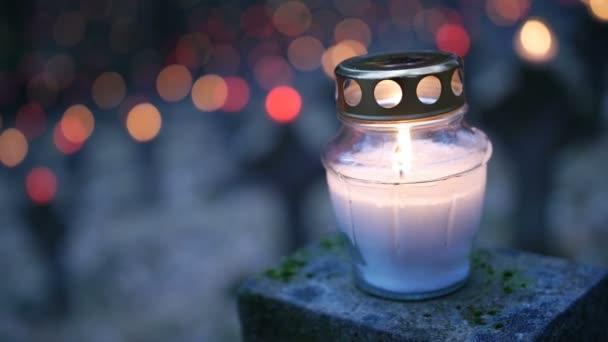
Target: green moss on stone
[
  {"x": 332, "y": 243},
  {"x": 473, "y": 315},
  {"x": 498, "y": 325},
  {"x": 507, "y": 275},
  {"x": 287, "y": 268}
]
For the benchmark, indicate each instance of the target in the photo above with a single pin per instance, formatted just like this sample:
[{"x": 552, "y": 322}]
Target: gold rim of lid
[{"x": 397, "y": 86}]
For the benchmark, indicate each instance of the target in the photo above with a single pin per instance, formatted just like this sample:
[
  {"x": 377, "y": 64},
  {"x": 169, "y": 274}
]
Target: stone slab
[{"x": 510, "y": 296}]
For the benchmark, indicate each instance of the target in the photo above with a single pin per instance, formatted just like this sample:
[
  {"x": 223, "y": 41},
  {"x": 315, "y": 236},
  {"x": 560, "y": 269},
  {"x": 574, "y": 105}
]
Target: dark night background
[{"x": 155, "y": 153}]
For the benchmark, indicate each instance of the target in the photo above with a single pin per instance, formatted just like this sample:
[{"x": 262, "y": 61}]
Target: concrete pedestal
[{"x": 510, "y": 296}]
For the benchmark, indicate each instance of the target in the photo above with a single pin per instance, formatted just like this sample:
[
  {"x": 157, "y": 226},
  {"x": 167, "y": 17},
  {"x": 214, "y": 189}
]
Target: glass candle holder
[{"x": 405, "y": 173}]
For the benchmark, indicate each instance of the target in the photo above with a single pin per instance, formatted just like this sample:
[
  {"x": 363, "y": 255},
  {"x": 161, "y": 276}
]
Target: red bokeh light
[
  {"x": 30, "y": 120},
  {"x": 453, "y": 38},
  {"x": 238, "y": 94},
  {"x": 283, "y": 104},
  {"x": 41, "y": 185},
  {"x": 62, "y": 143}
]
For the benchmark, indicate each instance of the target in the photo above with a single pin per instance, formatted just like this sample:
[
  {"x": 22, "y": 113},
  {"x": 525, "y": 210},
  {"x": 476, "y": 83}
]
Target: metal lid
[{"x": 399, "y": 86}]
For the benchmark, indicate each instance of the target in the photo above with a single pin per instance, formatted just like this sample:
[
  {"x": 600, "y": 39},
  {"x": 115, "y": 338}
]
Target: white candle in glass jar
[{"x": 412, "y": 232}]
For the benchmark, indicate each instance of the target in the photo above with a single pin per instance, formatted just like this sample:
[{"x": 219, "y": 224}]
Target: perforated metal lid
[{"x": 399, "y": 86}]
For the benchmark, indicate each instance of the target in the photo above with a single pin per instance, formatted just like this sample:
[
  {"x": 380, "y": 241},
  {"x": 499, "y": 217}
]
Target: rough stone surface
[{"x": 510, "y": 296}]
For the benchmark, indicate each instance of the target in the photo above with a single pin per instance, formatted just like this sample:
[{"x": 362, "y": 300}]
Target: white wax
[{"x": 411, "y": 238}]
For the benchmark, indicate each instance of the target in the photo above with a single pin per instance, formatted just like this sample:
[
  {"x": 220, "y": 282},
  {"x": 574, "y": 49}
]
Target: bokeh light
[
  {"x": 144, "y": 122},
  {"x": 62, "y": 144},
  {"x": 535, "y": 42},
  {"x": 69, "y": 28},
  {"x": 353, "y": 29},
  {"x": 305, "y": 53},
  {"x": 209, "y": 93},
  {"x": 453, "y": 38},
  {"x": 30, "y": 120},
  {"x": 599, "y": 9},
  {"x": 109, "y": 90},
  {"x": 13, "y": 147},
  {"x": 41, "y": 185},
  {"x": 339, "y": 52},
  {"x": 292, "y": 18},
  {"x": 77, "y": 124},
  {"x": 272, "y": 71},
  {"x": 174, "y": 82},
  {"x": 506, "y": 12},
  {"x": 283, "y": 104},
  {"x": 129, "y": 102},
  {"x": 237, "y": 95}
]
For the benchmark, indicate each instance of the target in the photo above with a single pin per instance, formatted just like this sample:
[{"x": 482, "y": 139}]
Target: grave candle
[{"x": 406, "y": 175}]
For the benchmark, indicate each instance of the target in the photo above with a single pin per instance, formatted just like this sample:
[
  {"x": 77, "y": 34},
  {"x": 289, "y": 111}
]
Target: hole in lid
[
  {"x": 456, "y": 83},
  {"x": 428, "y": 90},
  {"x": 388, "y": 93},
  {"x": 352, "y": 92}
]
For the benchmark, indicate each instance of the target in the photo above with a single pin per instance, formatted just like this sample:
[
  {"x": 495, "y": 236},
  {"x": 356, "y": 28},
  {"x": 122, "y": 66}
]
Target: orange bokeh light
[
  {"x": 13, "y": 147},
  {"x": 506, "y": 12},
  {"x": 62, "y": 143},
  {"x": 144, "y": 122},
  {"x": 30, "y": 120},
  {"x": 535, "y": 42},
  {"x": 305, "y": 53},
  {"x": 339, "y": 52},
  {"x": 174, "y": 82},
  {"x": 283, "y": 104},
  {"x": 453, "y": 38},
  {"x": 41, "y": 185},
  {"x": 237, "y": 95},
  {"x": 109, "y": 90},
  {"x": 77, "y": 124},
  {"x": 292, "y": 18},
  {"x": 599, "y": 9},
  {"x": 209, "y": 93}
]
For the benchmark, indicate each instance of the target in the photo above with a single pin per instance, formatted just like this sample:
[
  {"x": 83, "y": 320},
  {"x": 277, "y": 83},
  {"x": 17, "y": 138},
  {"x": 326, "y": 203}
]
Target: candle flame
[{"x": 402, "y": 154}]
